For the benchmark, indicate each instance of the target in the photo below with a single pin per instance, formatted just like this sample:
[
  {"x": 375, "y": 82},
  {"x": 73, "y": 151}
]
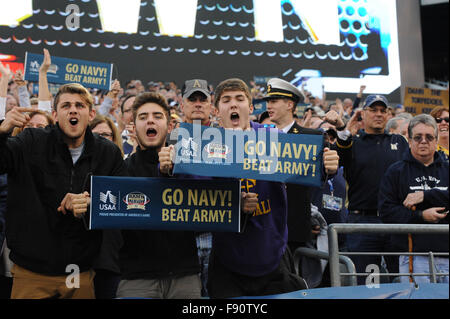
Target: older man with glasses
[{"x": 415, "y": 191}]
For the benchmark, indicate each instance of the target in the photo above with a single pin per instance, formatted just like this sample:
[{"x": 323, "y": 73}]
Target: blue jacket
[
  {"x": 365, "y": 158},
  {"x": 408, "y": 176}
]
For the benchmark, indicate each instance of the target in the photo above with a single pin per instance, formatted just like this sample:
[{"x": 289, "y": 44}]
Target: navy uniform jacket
[
  {"x": 299, "y": 201},
  {"x": 365, "y": 158}
]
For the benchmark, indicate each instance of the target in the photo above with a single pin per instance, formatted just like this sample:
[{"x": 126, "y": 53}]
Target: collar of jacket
[
  {"x": 437, "y": 158},
  {"x": 149, "y": 155},
  {"x": 363, "y": 134},
  {"x": 88, "y": 140}
]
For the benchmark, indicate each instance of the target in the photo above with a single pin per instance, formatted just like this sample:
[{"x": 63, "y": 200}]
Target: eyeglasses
[
  {"x": 429, "y": 138},
  {"x": 439, "y": 120},
  {"x": 106, "y": 135}
]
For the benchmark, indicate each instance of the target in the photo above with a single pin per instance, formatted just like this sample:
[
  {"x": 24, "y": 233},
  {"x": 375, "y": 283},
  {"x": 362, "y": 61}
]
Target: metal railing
[
  {"x": 318, "y": 254},
  {"x": 334, "y": 254}
]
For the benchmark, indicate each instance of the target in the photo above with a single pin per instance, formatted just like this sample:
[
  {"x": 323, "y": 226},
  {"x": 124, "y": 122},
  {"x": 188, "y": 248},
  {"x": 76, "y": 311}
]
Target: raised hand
[{"x": 46, "y": 62}]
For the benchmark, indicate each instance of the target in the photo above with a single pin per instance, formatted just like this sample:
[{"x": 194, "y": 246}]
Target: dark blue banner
[
  {"x": 165, "y": 204},
  {"x": 64, "y": 70},
  {"x": 263, "y": 154}
]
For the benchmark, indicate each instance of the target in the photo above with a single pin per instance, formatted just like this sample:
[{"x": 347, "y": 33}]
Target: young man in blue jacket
[{"x": 415, "y": 191}]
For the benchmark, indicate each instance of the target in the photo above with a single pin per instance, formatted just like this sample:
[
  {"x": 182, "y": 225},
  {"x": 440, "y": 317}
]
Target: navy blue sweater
[{"x": 408, "y": 176}]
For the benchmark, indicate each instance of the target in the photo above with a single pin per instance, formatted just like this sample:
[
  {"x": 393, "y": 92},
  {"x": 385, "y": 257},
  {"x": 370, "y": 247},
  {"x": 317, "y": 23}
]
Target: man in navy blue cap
[{"x": 366, "y": 156}]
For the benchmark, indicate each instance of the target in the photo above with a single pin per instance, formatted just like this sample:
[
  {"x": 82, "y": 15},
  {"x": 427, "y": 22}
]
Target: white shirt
[{"x": 287, "y": 128}]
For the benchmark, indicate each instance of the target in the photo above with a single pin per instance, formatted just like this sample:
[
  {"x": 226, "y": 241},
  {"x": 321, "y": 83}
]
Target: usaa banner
[
  {"x": 418, "y": 100},
  {"x": 262, "y": 154},
  {"x": 165, "y": 204},
  {"x": 64, "y": 70}
]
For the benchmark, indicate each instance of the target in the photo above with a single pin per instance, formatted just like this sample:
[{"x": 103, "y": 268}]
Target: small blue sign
[
  {"x": 63, "y": 70},
  {"x": 165, "y": 204}
]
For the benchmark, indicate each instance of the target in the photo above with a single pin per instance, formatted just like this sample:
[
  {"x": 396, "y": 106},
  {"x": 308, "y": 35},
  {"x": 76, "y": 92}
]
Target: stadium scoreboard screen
[{"x": 337, "y": 45}]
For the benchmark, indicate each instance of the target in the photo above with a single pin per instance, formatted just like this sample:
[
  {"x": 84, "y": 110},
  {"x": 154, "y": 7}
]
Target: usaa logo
[
  {"x": 107, "y": 201},
  {"x": 216, "y": 150},
  {"x": 136, "y": 200}
]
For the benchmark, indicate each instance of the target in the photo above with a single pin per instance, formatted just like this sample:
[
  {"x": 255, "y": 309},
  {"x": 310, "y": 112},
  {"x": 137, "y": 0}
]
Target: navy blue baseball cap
[{"x": 374, "y": 98}]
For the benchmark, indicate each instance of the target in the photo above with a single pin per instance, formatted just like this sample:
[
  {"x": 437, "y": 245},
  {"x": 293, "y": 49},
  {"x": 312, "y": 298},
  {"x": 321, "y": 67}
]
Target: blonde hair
[
  {"x": 74, "y": 88},
  {"x": 117, "y": 139}
]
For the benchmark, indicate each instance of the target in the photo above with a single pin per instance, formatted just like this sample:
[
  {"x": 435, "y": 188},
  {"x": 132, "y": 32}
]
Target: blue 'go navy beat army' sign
[
  {"x": 165, "y": 204},
  {"x": 262, "y": 154},
  {"x": 63, "y": 70}
]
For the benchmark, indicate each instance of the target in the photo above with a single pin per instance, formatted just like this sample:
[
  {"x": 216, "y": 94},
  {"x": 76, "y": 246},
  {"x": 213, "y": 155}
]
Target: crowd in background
[{"x": 115, "y": 121}]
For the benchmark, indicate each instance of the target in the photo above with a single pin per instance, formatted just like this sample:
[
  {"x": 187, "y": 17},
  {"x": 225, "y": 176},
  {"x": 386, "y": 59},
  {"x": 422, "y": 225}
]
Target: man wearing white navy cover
[
  {"x": 366, "y": 157},
  {"x": 282, "y": 98}
]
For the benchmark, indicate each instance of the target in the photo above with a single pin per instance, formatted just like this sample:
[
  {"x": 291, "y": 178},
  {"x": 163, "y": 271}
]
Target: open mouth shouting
[
  {"x": 151, "y": 132},
  {"x": 234, "y": 117},
  {"x": 73, "y": 122}
]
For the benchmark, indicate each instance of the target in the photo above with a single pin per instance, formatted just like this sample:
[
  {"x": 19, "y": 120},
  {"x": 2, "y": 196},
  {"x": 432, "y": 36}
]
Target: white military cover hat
[{"x": 278, "y": 88}]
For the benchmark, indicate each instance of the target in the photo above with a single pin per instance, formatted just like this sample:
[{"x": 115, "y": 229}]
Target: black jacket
[
  {"x": 299, "y": 202},
  {"x": 365, "y": 158},
  {"x": 40, "y": 173},
  {"x": 408, "y": 176},
  {"x": 154, "y": 254}
]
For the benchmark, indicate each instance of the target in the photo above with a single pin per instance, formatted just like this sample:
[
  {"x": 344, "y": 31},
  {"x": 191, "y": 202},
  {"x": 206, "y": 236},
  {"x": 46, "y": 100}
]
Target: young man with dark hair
[
  {"x": 155, "y": 264},
  {"x": 48, "y": 183}
]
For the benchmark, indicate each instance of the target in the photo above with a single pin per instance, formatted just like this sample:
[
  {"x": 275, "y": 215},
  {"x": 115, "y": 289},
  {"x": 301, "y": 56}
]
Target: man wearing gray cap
[
  {"x": 366, "y": 157},
  {"x": 196, "y": 104},
  {"x": 282, "y": 98}
]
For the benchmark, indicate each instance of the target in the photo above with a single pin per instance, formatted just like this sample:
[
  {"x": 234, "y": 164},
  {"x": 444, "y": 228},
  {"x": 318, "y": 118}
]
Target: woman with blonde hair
[
  {"x": 38, "y": 119},
  {"x": 105, "y": 127}
]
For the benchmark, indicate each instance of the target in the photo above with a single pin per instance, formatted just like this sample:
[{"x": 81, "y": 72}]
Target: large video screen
[{"x": 335, "y": 45}]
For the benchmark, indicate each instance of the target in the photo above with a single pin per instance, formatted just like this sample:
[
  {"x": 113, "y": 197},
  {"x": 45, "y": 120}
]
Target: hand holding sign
[
  {"x": 249, "y": 202},
  {"x": 77, "y": 203},
  {"x": 166, "y": 156},
  {"x": 17, "y": 117},
  {"x": 330, "y": 160}
]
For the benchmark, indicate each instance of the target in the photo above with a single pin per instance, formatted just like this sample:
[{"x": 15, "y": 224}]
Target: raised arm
[
  {"x": 24, "y": 95},
  {"x": 45, "y": 97},
  {"x": 6, "y": 73}
]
